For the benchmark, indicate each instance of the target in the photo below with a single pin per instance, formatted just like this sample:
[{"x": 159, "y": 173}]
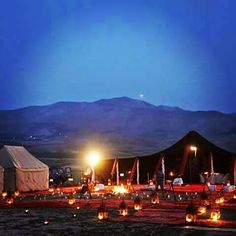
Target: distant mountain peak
[
  {"x": 125, "y": 102},
  {"x": 169, "y": 108}
]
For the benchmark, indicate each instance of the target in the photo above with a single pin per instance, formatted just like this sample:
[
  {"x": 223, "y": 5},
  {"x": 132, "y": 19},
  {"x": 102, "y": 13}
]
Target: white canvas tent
[{"x": 22, "y": 171}]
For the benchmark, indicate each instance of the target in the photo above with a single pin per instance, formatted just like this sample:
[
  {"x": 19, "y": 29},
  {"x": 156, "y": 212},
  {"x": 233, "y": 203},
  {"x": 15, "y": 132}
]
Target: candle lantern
[
  {"x": 51, "y": 190},
  {"x": 102, "y": 212},
  {"x": 9, "y": 199},
  {"x": 17, "y": 193},
  {"x": 123, "y": 210},
  {"x": 191, "y": 214},
  {"x": 71, "y": 199},
  {"x": 151, "y": 182},
  {"x": 219, "y": 200},
  {"x": 215, "y": 213},
  {"x": 222, "y": 199},
  {"x": 202, "y": 209},
  {"x": 4, "y": 194},
  {"x": 234, "y": 196},
  {"x": 155, "y": 198},
  {"x": 137, "y": 204}
]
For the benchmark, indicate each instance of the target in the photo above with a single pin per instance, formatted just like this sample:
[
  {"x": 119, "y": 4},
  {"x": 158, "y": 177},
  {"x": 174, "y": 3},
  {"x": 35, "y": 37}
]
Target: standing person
[
  {"x": 86, "y": 186},
  {"x": 160, "y": 181}
]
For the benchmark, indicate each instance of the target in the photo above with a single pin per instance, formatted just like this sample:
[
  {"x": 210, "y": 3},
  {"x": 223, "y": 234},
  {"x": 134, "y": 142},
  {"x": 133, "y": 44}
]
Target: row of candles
[{"x": 191, "y": 211}]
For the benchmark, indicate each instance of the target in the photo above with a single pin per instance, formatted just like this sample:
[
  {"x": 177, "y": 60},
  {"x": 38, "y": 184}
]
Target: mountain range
[{"x": 120, "y": 126}]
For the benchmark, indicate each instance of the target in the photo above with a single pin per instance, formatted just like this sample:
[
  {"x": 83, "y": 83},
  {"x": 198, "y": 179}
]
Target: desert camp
[{"x": 197, "y": 188}]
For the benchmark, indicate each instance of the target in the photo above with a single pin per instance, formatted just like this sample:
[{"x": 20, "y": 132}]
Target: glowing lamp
[
  {"x": 215, "y": 214},
  {"x": 109, "y": 182},
  {"x": 190, "y": 218},
  {"x": 70, "y": 179},
  {"x": 219, "y": 200},
  {"x": 171, "y": 174},
  {"x": 123, "y": 210},
  {"x": 137, "y": 204},
  {"x": 51, "y": 190},
  {"x": 202, "y": 210},
  {"x": 120, "y": 189},
  {"x": 151, "y": 182},
  {"x": 234, "y": 196},
  {"x": 71, "y": 200},
  {"x": 16, "y": 193},
  {"x": 93, "y": 158},
  {"x": 4, "y": 194},
  {"x": 191, "y": 213},
  {"x": 46, "y": 222},
  {"x": 102, "y": 212},
  {"x": 9, "y": 200},
  {"x": 155, "y": 198},
  {"x": 194, "y": 149},
  {"x": 222, "y": 199}
]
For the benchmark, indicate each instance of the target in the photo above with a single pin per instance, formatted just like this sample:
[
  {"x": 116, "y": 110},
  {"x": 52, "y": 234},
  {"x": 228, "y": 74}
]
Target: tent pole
[
  {"x": 137, "y": 171},
  {"x": 117, "y": 173},
  {"x": 234, "y": 174},
  {"x": 184, "y": 161}
]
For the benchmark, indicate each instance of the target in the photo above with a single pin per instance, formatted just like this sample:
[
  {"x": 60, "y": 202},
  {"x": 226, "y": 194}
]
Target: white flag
[
  {"x": 211, "y": 164},
  {"x": 163, "y": 167}
]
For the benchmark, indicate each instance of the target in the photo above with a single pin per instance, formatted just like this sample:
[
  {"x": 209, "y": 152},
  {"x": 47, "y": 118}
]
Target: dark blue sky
[{"x": 177, "y": 53}]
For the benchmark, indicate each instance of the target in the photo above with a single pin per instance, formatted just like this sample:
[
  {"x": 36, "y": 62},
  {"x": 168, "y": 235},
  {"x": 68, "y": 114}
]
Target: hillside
[{"x": 116, "y": 125}]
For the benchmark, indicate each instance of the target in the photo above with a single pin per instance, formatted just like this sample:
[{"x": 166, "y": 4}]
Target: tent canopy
[
  {"x": 22, "y": 171},
  {"x": 174, "y": 159},
  {"x": 175, "y": 154},
  {"x": 19, "y": 157}
]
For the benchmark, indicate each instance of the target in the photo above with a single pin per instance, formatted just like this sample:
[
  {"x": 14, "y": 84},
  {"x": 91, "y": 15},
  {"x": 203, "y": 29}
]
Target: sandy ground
[
  {"x": 65, "y": 220},
  {"x": 62, "y": 222}
]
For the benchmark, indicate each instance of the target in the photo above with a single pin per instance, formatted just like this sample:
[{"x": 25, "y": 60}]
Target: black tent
[
  {"x": 190, "y": 156},
  {"x": 187, "y": 157}
]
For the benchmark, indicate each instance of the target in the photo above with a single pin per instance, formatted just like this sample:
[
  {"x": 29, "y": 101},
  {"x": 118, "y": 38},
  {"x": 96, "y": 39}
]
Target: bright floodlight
[
  {"x": 193, "y": 148},
  {"x": 93, "y": 158}
]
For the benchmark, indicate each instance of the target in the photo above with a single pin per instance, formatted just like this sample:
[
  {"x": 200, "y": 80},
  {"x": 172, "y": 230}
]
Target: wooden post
[
  {"x": 117, "y": 173},
  {"x": 137, "y": 171},
  {"x": 184, "y": 161}
]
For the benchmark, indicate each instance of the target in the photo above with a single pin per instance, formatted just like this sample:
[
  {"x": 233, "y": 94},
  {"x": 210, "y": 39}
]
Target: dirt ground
[
  {"x": 28, "y": 213},
  {"x": 70, "y": 221}
]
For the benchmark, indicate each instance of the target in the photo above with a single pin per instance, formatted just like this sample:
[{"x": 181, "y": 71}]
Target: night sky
[{"x": 176, "y": 52}]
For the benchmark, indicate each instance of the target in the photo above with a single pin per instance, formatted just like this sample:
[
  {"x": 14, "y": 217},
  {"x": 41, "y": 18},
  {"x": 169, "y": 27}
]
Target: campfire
[{"x": 120, "y": 189}]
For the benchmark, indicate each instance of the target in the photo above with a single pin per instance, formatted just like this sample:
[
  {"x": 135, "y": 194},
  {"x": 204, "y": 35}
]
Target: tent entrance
[{"x": 10, "y": 179}]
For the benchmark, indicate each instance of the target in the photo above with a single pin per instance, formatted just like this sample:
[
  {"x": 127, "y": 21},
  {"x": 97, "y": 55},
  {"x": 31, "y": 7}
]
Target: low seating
[
  {"x": 228, "y": 189},
  {"x": 216, "y": 178},
  {"x": 178, "y": 181}
]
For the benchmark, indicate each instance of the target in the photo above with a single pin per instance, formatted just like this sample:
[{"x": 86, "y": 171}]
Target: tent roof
[
  {"x": 195, "y": 139},
  {"x": 174, "y": 154},
  {"x": 19, "y": 157}
]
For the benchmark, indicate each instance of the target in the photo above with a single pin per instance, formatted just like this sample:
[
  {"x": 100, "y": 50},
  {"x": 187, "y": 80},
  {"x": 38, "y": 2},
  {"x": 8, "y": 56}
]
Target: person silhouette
[{"x": 160, "y": 181}]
